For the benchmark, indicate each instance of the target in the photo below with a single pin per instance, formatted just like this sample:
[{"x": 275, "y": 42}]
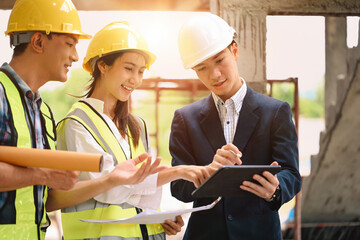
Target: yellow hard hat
[
  {"x": 203, "y": 36},
  {"x": 114, "y": 37},
  {"x": 58, "y": 16}
]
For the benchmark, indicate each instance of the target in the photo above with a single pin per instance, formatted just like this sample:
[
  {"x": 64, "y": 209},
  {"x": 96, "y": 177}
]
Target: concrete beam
[
  {"x": 311, "y": 7},
  {"x": 299, "y": 7},
  {"x": 7, "y": 4},
  {"x": 130, "y": 5}
]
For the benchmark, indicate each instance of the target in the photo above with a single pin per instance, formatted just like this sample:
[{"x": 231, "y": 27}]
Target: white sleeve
[{"x": 72, "y": 136}]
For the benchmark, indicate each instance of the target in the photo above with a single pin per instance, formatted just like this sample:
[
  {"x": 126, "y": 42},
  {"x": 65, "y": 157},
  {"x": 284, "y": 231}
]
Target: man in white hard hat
[{"x": 232, "y": 120}]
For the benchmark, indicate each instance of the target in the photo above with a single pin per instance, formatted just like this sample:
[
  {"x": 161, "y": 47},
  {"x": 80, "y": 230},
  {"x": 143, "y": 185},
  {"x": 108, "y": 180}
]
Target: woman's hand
[
  {"x": 191, "y": 173},
  {"x": 127, "y": 173},
  {"x": 196, "y": 174},
  {"x": 171, "y": 227}
]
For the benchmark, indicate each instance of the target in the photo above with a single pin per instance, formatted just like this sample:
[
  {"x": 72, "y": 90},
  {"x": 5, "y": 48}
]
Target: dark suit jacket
[{"x": 265, "y": 133}]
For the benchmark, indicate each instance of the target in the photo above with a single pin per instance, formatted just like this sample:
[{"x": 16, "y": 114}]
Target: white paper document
[{"x": 152, "y": 216}]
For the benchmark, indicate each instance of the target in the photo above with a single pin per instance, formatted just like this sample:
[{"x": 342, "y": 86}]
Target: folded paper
[{"x": 152, "y": 216}]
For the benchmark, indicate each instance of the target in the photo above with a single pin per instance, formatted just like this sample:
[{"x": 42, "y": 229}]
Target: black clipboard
[{"x": 226, "y": 180}]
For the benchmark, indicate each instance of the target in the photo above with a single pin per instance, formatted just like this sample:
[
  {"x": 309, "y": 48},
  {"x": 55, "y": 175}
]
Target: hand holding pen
[
  {"x": 239, "y": 155},
  {"x": 229, "y": 154}
]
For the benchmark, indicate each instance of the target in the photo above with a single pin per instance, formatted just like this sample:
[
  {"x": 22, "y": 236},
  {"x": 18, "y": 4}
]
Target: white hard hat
[{"x": 202, "y": 37}]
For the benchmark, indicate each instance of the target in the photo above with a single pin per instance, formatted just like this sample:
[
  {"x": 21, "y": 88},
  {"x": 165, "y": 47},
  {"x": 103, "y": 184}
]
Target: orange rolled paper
[{"x": 44, "y": 158}]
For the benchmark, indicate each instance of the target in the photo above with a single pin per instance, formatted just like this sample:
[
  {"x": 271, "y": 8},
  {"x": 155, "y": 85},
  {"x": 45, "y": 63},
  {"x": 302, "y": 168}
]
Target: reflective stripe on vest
[
  {"x": 25, "y": 206},
  {"x": 91, "y": 209}
]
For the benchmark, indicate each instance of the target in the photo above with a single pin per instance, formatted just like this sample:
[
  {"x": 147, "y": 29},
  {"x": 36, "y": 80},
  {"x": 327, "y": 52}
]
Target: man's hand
[
  {"x": 268, "y": 184},
  {"x": 57, "y": 179},
  {"x": 227, "y": 155},
  {"x": 171, "y": 227}
]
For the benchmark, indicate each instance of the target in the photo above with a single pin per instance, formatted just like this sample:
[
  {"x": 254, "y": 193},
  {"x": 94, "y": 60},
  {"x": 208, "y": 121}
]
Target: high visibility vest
[
  {"x": 73, "y": 228},
  {"x": 25, "y": 201}
]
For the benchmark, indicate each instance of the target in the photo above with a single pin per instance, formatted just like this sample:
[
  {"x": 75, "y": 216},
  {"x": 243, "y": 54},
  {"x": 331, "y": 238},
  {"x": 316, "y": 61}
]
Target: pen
[{"x": 239, "y": 155}]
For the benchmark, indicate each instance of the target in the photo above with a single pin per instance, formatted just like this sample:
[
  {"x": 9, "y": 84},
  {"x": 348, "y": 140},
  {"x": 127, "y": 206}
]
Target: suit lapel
[
  {"x": 211, "y": 125},
  {"x": 247, "y": 120}
]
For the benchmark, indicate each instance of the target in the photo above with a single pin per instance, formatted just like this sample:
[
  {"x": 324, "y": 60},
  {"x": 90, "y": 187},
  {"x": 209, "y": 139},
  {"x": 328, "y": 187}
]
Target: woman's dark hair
[{"x": 122, "y": 118}]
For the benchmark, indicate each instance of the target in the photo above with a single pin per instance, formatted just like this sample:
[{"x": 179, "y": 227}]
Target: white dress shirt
[
  {"x": 229, "y": 111},
  {"x": 74, "y": 137}
]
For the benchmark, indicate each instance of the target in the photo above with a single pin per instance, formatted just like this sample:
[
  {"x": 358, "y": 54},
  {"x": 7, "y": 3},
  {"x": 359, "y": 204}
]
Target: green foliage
[
  {"x": 62, "y": 98},
  {"x": 169, "y": 102},
  {"x": 284, "y": 92},
  {"x": 309, "y": 108},
  {"x": 314, "y": 108}
]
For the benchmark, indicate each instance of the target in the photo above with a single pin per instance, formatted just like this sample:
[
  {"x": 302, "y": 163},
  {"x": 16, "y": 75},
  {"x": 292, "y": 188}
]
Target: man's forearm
[{"x": 13, "y": 177}]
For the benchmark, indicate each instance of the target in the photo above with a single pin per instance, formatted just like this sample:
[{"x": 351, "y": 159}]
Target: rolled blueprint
[{"x": 44, "y": 158}]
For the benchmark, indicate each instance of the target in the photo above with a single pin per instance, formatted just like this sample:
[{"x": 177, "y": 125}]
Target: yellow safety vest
[
  {"x": 25, "y": 204},
  {"x": 91, "y": 209}
]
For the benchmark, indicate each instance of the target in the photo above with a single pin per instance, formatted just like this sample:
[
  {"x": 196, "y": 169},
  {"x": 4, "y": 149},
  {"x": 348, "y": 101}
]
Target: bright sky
[
  {"x": 295, "y": 45},
  {"x": 296, "y": 48}
]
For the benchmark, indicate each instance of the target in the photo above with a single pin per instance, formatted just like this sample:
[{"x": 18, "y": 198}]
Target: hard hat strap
[
  {"x": 92, "y": 63},
  {"x": 20, "y": 37}
]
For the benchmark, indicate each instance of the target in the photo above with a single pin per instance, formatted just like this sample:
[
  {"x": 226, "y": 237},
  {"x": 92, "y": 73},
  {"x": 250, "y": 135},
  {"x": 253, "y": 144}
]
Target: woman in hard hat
[{"x": 117, "y": 58}]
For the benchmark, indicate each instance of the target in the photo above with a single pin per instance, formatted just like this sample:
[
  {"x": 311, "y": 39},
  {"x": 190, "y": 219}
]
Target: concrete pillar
[
  {"x": 329, "y": 193},
  {"x": 249, "y": 21},
  {"x": 336, "y": 64}
]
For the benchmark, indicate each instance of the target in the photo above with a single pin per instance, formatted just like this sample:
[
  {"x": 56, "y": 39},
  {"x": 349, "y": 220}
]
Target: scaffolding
[
  {"x": 295, "y": 111},
  {"x": 193, "y": 86}
]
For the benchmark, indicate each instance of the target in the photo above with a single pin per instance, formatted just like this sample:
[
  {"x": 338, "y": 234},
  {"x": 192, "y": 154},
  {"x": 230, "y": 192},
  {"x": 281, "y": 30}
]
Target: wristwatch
[{"x": 276, "y": 195}]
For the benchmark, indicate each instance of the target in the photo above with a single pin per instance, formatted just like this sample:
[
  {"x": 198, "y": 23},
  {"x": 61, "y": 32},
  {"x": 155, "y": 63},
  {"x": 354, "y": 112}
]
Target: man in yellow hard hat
[
  {"x": 44, "y": 34},
  {"x": 231, "y": 121}
]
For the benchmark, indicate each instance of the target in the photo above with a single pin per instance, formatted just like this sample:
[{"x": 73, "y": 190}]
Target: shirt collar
[
  {"x": 237, "y": 98},
  {"x": 97, "y": 104},
  {"x": 22, "y": 84}
]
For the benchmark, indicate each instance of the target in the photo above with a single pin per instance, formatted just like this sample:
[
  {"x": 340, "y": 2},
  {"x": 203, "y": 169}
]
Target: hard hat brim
[
  {"x": 81, "y": 35},
  {"x": 149, "y": 57},
  {"x": 223, "y": 45}
]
